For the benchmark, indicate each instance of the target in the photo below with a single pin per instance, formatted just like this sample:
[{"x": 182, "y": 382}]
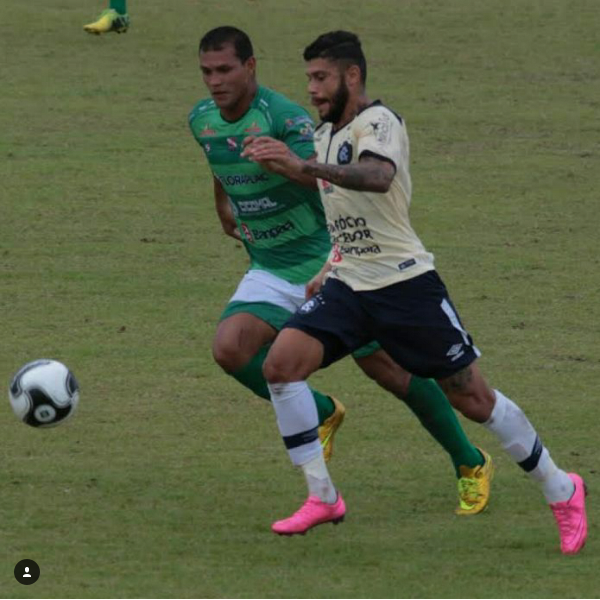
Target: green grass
[{"x": 111, "y": 260}]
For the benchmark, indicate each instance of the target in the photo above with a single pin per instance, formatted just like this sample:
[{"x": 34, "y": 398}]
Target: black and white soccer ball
[{"x": 44, "y": 393}]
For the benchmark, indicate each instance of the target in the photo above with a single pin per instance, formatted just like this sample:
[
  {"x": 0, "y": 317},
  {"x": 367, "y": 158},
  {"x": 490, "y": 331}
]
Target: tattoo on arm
[{"x": 368, "y": 175}]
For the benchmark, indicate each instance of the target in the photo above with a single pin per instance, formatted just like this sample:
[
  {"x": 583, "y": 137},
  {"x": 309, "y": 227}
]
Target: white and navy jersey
[{"x": 373, "y": 243}]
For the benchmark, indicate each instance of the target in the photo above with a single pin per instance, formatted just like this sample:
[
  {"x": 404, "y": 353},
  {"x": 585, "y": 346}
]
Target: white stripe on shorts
[{"x": 451, "y": 314}]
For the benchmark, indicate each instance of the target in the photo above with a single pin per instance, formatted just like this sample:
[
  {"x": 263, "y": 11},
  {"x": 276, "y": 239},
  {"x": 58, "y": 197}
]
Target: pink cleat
[
  {"x": 313, "y": 512},
  {"x": 571, "y": 518}
]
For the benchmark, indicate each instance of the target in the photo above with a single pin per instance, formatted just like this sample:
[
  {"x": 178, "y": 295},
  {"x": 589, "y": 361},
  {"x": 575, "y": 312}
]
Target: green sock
[
  {"x": 251, "y": 376},
  {"x": 325, "y": 406},
  {"x": 119, "y": 5},
  {"x": 427, "y": 401}
]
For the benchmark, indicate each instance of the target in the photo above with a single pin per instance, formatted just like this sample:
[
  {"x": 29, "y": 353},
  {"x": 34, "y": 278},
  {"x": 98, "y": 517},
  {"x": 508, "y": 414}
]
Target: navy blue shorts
[{"x": 414, "y": 321}]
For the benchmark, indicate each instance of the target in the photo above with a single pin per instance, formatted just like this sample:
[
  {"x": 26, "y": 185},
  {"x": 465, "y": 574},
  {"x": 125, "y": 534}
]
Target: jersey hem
[{"x": 364, "y": 287}]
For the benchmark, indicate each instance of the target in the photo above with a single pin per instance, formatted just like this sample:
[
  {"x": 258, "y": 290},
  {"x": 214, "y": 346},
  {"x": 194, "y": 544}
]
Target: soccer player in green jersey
[
  {"x": 114, "y": 18},
  {"x": 282, "y": 226}
]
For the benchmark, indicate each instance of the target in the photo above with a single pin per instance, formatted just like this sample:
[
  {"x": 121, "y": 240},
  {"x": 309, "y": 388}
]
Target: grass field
[{"x": 111, "y": 260}]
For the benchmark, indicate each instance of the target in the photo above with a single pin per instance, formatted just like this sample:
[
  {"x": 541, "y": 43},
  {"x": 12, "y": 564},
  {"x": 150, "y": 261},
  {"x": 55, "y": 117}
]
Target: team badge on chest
[{"x": 344, "y": 156}]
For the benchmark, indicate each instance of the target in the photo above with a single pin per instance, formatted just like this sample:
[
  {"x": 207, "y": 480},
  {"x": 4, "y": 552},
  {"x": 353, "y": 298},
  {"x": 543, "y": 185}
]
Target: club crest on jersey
[
  {"x": 344, "y": 156},
  {"x": 254, "y": 128},
  {"x": 207, "y": 131}
]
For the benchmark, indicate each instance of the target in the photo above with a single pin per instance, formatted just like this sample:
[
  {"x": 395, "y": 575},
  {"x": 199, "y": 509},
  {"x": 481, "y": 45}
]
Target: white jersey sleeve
[{"x": 381, "y": 133}]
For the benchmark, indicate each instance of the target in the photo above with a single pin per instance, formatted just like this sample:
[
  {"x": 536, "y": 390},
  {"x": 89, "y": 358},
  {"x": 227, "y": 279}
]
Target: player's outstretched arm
[
  {"x": 275, "y": 156},
  {"x": 370, "y": 174},
  {"x": 224, "y": 211}
]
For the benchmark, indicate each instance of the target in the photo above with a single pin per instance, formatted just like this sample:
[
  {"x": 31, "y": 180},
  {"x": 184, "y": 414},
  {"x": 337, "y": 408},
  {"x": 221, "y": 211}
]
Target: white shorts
[
  {"x": 261, "y": 286},
  {"x": 267, "y": 297}
]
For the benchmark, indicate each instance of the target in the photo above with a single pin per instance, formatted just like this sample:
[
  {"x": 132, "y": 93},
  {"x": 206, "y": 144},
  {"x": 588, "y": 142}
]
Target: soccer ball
[{"x": 44, "y": 393}]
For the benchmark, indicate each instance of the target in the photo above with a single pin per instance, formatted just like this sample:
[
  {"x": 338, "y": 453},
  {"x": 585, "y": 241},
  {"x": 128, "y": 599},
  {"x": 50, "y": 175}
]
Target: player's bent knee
[
  {"x": 228, "y": 357},
  {"x": 293, "y": 357},
  {"x": 238, "y": 338},
  {"x": 276, "y": 370}
]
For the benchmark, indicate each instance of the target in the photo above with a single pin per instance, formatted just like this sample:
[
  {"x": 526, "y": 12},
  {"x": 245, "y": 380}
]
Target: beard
[{"x": 338, "y": 104}]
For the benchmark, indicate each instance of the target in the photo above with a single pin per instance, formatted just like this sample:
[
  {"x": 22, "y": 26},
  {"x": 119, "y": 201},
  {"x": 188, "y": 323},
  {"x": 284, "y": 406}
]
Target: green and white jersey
[{"x": 282, "y": 224}]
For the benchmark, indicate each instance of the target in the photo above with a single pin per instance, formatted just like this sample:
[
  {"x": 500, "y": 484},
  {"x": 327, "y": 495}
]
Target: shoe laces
[
  {"x": 468, "y": 490},
  {"x": 306, "y": 510},
  {"x": 562, "y": 513},
  {"x": 118, "y": 18}
]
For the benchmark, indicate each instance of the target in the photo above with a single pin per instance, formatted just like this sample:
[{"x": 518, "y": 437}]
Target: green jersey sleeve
[{"x": 295, "y": 127}]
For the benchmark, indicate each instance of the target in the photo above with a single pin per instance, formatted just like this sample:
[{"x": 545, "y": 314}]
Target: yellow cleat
[
  {"x": 474, "y": 487},
  {"x": 329, "y": 427},
  {"x": 109, "y": 20}
]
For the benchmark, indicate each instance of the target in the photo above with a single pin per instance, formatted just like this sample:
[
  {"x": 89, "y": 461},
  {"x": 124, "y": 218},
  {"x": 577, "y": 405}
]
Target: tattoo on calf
[{"x": 459, "y": 381}]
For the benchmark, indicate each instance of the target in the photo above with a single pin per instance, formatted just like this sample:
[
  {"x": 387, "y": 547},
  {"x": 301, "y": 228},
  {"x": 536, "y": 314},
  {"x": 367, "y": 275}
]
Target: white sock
[
  {"x": 297, "y": 419},
  {"x": 518, "y": 437},
  {"x": 318, "y": 479},
  {"x": 556, "y": 484}
]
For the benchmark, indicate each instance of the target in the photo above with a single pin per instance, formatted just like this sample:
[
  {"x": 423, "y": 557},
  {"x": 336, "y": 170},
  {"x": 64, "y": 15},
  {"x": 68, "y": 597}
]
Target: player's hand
[
  {"x": 233, "y": 232},
  {"x": 316, "y": 283},
  {"x": 313, "y": 286},
  {"x": 273, "y": 155}
]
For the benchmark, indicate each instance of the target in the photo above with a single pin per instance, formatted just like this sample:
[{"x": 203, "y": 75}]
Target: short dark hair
[
  {"x": 216, "y": 38},
  {"x": 339, "y": 46}
]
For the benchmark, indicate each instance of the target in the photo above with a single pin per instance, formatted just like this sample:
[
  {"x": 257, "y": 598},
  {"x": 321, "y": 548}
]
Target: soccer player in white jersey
[
  {"x": 283, "y": 229},
  {"x": 380, "y": 282}
]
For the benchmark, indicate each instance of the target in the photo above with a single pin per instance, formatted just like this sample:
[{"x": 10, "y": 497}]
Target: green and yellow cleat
[
  {"x": 330, "y": 426},
  {"x": 474, "y": 487},
  {"x": 109, "y": 20}
]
